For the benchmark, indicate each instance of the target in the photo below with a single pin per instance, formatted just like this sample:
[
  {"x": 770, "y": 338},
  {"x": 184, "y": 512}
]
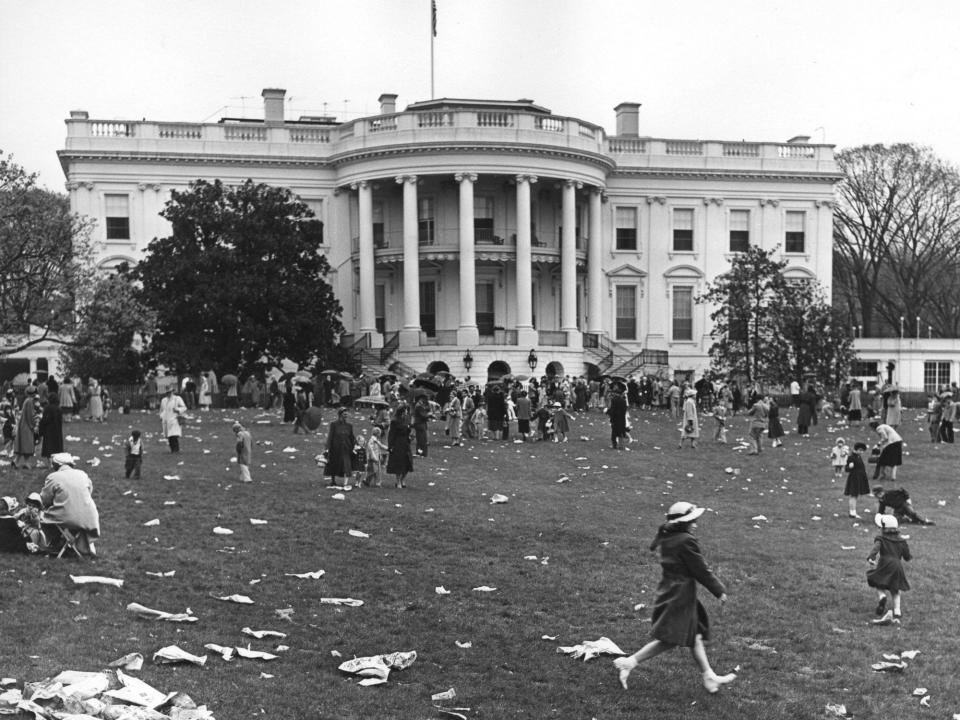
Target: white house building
[{"x": 470, "y": 232}]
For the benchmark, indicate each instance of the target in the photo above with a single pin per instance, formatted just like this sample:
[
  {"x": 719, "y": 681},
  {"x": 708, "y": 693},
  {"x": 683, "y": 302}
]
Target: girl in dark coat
[
  {"x": 857, "y": 483},
  {"x": 400, "y": 460},
  {"x": 887, "y": 574},
  {"x": 340, "y": 443},
  {"x": 51, "y": 429},
  {"x": 774, "y": 426},
  {"x": 679, "y": 619}
]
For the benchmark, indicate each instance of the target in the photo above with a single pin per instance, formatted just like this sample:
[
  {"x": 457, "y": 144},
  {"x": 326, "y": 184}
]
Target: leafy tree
[
  {"x": 897, "y": 239},
  {"x": 44, "y": 260},
  {"x": 767, "y": 328},
  {"x": 239, "y": 284},
  {"x": 108, "y": 339}
]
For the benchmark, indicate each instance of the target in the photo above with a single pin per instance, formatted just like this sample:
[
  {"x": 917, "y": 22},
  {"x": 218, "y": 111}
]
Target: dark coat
[
  {"x": 400, "y": 461},
  {"x": 340, "y": 443},
  {"x": 808, "y": 401},
  {"x": 857, "y": 482},
  {"x": 888, "y": 549},
  {"x": 618, "y": 415},
  {"x": 678, "y": 617},
  {"x": 51, "y": 430},
  {"x": 774, "y": 426}
]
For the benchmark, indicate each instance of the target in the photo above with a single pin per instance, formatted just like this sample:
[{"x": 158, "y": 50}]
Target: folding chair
[{"x": 64, "y": 538}]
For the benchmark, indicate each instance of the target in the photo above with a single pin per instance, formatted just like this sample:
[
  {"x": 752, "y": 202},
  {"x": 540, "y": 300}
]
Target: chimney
[
  {"x": 628, "y": 118},
  {"x": 79, "y": 115},
  {"x": 799, "y": 140},
  {"x": 388, "y": 103},
  {"x": 273, "y": 105}
]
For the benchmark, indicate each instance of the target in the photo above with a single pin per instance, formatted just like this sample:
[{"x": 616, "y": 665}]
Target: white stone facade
[{"x": 488, "y": 226}]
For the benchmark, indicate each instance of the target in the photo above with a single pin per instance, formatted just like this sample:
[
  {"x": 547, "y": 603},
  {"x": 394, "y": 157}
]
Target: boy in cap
[{"x": 898, "y": 500}]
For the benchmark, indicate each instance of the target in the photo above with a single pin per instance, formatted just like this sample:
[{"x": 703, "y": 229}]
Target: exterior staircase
[{"x": 614, "y": 359}]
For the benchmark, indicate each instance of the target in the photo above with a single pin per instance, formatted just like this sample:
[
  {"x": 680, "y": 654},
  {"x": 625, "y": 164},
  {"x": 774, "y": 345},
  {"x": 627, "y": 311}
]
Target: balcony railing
[{"x": 553, "y": 337}]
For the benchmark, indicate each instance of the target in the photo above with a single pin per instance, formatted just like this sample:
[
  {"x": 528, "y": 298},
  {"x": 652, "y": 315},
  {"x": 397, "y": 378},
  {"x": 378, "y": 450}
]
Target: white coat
[{"x": 171, "y": 408}]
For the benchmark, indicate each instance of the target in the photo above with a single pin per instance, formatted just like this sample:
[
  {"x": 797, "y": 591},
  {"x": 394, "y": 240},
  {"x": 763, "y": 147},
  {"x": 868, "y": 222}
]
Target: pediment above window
[
  {"x": 684, "y": 272},
  {"x": 626, "y": 271}
]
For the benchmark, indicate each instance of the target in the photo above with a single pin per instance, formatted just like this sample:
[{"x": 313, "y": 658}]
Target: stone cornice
[{"x": 721, "y": 174}]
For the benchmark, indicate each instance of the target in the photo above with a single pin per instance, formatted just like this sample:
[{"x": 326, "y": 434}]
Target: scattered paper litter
[
  {"x": 284, "y": 613},
  {"x": 254, "y": 521},
  {"x": 350, "y": 602},
  {"x": 370, "y": 681},
  {"x": 463, "y": 645},
  {"x": 150, "y": 614},
  {"x": 889, "y": 667},
  {"x": 137, "y": 692},
  {"x": 839, "y": 710},
  {"x": 260, "y": 634},
  {"x": 255, "y": 654},
  {"x": 131, "y": 662},
  {"x": 445, "y": 695},
  {"x": 222, "y": 531},
  {"x": 497, "y": 498},
  {"x": 173, "y": 654},
  {"x": 169, "y": 573},
  {"x": 152, "y": 523},
  {"x": 226, "y": 653},
  {"x": 379, "y": 666},
  {"x": 920, "y": 692},
  {"x": 924, "y": 702},
  {"x": 441, "y": 590},
  {"x": 909, "y": 654},
  {"x": 93, "y": 462},
  {"x": 357, "y": 533},
  {"x": 171, "y": 477},
  {"x": 315, "y": 575},
  {"x": 759, "y": 517},
  {"x": 592, "y": 648},
  {"x": 289, "y": 450},
  {"x": 338, "y": 496},
  {"x": 95, "y": 579},
  {"x": 240, "y": 599},
  {"x": 484, "y": 588}
]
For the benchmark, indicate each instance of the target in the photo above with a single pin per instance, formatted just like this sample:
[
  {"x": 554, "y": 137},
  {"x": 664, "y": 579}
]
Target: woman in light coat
[
  {"x": 171, "y": 408},
  {"x": 691, "y": 423}
]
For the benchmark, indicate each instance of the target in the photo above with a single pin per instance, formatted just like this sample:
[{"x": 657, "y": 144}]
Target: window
[
  {"x": 626, "y": 321},
  {"x": 682, "y": 313},
  {"x": 380, "y": 308},
  {"x": 117, "y": 209},
  {"x": 683, "y": 230},
  {"x": 483, "y": 219},
  {"x": 428, "y": 308},
  {"x": 864, "y": 368},
  {"x": 794, "y": 237},
  {"x": 936, "y": 374},
  {"x": 379, "y": 240},
  {"x": 484, "y": 294},
  {"x": 626, "y": 228},
  {"x": 425, "y": 221},
  {"x": 739, "y": 230}
]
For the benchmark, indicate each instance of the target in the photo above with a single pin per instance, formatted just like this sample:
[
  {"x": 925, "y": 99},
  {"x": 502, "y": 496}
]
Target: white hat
[
  {"x": 886, "y": 522},
  {"x": 63, "y": 458},
  {"x": 681, "y": 512}
]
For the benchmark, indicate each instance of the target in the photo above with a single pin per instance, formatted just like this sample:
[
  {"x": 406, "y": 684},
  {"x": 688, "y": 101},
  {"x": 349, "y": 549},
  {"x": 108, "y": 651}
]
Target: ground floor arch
[{"x": 497, "y": 369}]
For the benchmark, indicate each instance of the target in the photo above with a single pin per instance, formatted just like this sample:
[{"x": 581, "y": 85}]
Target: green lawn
[{"x": 797, "y": 622}]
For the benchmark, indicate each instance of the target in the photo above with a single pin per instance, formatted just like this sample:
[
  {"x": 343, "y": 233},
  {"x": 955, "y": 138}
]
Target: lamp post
[
  {"x": 532, "y": 360},
  {"x": 467, "y": 360}
]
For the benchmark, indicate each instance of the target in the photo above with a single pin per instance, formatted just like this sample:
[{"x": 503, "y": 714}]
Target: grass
[{"x": 796, "y": 623}]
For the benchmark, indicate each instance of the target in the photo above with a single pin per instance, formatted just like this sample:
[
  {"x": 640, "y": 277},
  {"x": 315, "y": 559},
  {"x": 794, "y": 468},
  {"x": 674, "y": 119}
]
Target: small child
[
  {"x": 561, "y": 423},
  {"x": 898, "y": 500},
  {"x": 375, "y": 453},
  {"x": 857, "y": 483},
  {"x": 627, "y": 428},
  {"x": 133, "y": 451},
  {"x": 359, "y": 460},
  {"x": 720, "y": 415},
  {"x": 480, "y": 420},
  {"x": 887, "y": 575},
  {"x": 838, "y": 458},
  {"x": 544, "y": 425}
]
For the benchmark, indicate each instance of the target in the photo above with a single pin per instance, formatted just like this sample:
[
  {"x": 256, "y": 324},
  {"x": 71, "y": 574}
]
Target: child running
[
  {"x": 887, "y": 575},
  {"x": 679, "y": 619},
  {"x": 857, "y": 483}
]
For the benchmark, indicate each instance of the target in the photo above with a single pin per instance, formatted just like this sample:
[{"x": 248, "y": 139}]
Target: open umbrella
[
  {"x": 371, "y": 401},
  {"x": 506, "y": 378},
  {"x": 228, "y": 380},
  {"x": 287, "y": 376},
  {"x": 521, "y": 377},
  {"x": 422, "y": 391},
  {"x": 330, "y": 373},
  {"x": 387, "y": 376},
  {"x": 426, "y": 383},
  {"x": 312, "y": 417}
]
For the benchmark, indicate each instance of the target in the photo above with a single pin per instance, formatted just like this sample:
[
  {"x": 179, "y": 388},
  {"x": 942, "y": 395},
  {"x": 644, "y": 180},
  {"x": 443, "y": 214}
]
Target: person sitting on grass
[
  {"x": 900, "y": 505},
  {"x": 679, "y": 619},
  {"x": 68, "y": 502}
]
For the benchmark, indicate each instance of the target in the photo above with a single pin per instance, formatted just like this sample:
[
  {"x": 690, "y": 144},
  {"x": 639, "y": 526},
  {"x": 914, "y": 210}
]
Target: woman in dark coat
[
  {"x": 774, "y": 426},
  {"x": 400, "y": 461},
  {"x": 808, "y": 401},
  {"x": 289, "y": 403},
  {"x": 617, "y": 412},
  {"x": 25, "y": 442},
  {"x": 340, "y": 443},
  {"x": 679, "y": 619},
  {"x": 51, "y": 429}
]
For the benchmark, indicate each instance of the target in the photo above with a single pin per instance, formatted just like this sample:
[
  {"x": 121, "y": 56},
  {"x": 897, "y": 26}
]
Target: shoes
[
  {"x": 625, "y": 665},
  {"x": 887, "y": 619},
  {"x": 712, "y": 681},
  {"x": 881, "y": 607},
  {"x": 853, "y": 515},
  {"x": 897, "y": 617}
]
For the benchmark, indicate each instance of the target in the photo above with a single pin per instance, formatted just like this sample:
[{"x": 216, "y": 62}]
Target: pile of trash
[{"x": 109, "y": 695}]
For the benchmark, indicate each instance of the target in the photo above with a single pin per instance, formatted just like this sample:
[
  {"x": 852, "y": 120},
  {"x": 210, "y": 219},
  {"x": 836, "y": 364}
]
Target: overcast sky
[{"x": 845, "y": 72}]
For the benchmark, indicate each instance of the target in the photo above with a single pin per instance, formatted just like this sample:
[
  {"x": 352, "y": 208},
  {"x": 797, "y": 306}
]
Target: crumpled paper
[
  {"x": 130, "y": 662},
  {"x": 254, "y": 654},
  {"x": 226, "y": 653},
  {"x": 379, "y": 666},
  {"x": 350, "y": 602},
  {"x": 261, "y": 634},
  {"x": 497, "y": 498},
  {"x": 150, "y": 614},
  {"x": 95, "y": 580},
  {"x": 315, "y": 575},
  {"x": 174, "y": 654},
  {"x": 235, "y": 598},
  {"x": 592, "y": 648}
]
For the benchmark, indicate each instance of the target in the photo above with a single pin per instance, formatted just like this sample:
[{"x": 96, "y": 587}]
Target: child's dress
[
  {"x": 888, "y": 549},
  {"x": 857, "y": 483},
  {"x": 839, "y": 455}
]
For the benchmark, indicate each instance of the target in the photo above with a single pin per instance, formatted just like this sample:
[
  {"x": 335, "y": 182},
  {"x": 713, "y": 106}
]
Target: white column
[
  {"x": 367, "y": 316},
  {"x": 822, "y": 253},
  {"x": 595, "y": 264},
  {"x": 410, "y": 333},
  {"x": 526, "y": 335},
  {"x": 568, "y": 261},
  {"x": 467, "y": 334}
]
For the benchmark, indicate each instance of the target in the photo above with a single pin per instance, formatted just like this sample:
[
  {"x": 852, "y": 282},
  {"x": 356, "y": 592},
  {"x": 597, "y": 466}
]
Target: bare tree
[{"x": 896, "y": 241}]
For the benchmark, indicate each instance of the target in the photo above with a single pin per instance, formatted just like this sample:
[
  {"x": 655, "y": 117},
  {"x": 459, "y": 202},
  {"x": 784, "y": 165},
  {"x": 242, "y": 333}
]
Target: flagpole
[{"x": 433, "y": 34}]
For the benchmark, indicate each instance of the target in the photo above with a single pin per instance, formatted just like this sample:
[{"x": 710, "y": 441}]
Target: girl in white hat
[
  {"x": 886, "y": 575},
  {"x": 679, "y": 619}
]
